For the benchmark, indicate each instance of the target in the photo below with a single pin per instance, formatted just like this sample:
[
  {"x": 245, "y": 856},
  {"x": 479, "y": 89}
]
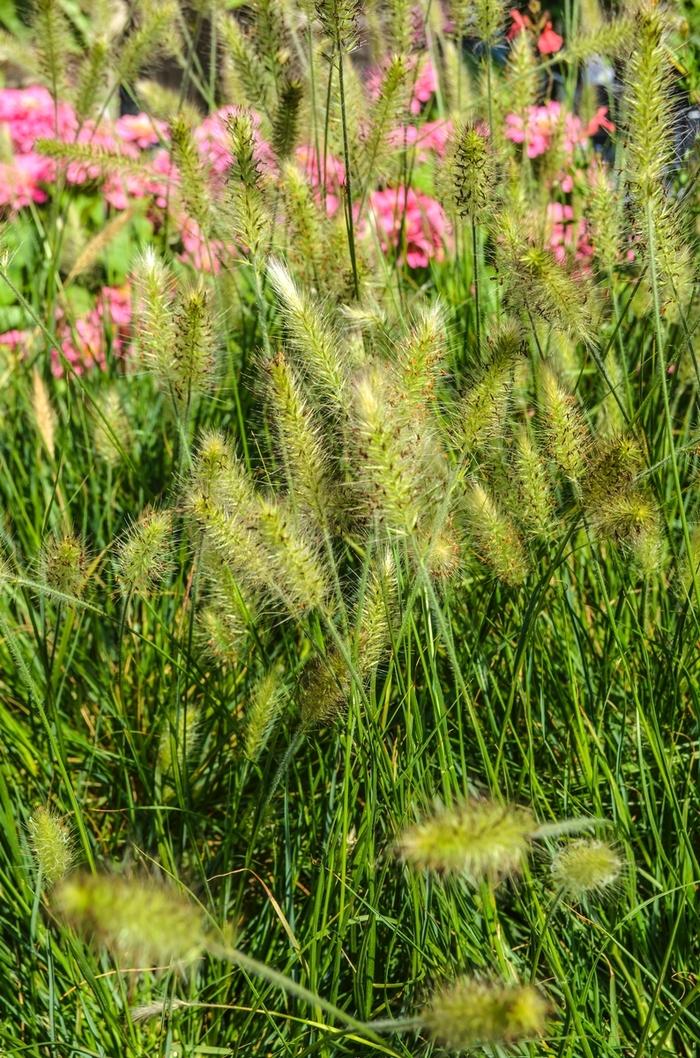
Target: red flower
[
  {"x": 520, "y": 22},
  {"x": 599, "y": 120},
  {"x": 549, "y": 41}
]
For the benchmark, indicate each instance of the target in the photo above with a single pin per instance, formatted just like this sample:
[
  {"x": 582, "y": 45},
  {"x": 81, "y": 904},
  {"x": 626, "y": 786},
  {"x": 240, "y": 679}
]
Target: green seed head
[
  {"x": 52, "y": 845},
  {"x": 62, "y": 565},
  {"x": 478, "y": 840},
  {"x": 144, "y": 553},
  {"x": 585, "y": 867},
  {"x": 138, "y": 920},
  {"x": 470, "y": 1012}
]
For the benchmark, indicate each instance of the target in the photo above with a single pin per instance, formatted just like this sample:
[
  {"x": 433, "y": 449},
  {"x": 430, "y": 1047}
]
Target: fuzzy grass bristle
[
  {"x": 471, "y": 1012},
  {"x": 51, "y": 842},
  {"x": 302, "y": 445},
  {"x": 339, "y": 19},
  {"x": 470, "y": 181},
  {"x": 63, "y": 566},
  {"x": 266, "y": 703},
  {"x": 327, "y": 682},
  {"x": 245, "y": 186},
  {"x": 583, "y": 868},
  {"x": 392, "y": 479},
  {"x": 316, "y": 346},
  {"x": 476, "y": 840},
  {"x": 143, "y": 556},
  {"x": 193, "y": 355},
  {"x": 44, "y": 414},
  {"x": 563, "y": 426},
  {"x": 495, "y": 536},
  {"x": 154, "y": 288},
  {"x": 112, "y": 430},
  {"x": 140, "y": 921}
]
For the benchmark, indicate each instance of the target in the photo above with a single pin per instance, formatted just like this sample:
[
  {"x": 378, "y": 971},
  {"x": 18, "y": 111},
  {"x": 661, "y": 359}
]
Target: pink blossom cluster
[
  {"x": 30, "y": 114},
  {"x": 425, "y": 85},
  {"x": 16, "y": 340},
  {"x": 84, "y": 342},
  {"x": 544, "y": 124},
  {"x": 26, "y": 115},
  {"x": 567, "y": 236},
  {"x": 406, "y": 220},
  {"x": 432, "y": 136},
  {"x": 410, "y": 223},
  {"x": 214, "y": 143},
  {"x": 423, "y": 79},
  {"x": 548, "y": 40},
  {"x": 325, "y": 173}
]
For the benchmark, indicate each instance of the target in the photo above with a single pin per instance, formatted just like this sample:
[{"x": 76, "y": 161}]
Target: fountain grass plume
[
  {"x": 566, "y": 434},
  {"x": 477, "y": 840},
  {"x": 63, "y": 565},
  {"x": 303, "y": 448},
  {"x": 141, "y": 921},
  {"x": 316, "y": 345},
  {"x": 495, "y": 536},
  {"x": 143, "y": 555},
  {"x": 472, "y": 1011},
  {"x": 51, "y": 842},
  {"x": 585, "y": 867}
]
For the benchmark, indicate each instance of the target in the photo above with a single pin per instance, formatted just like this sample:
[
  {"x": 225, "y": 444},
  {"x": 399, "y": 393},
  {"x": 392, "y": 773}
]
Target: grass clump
[{"x": 349, "y": 465}]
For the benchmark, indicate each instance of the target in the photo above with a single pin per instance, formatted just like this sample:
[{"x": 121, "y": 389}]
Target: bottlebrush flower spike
[
  {"x": 472, "y": 1011},
  {"x": 143, "y": 556},
  {"x": 139, "y": 921},
  {"x": 479, "y": 840},
  {"x": 471, "y": 171},
  {"x": 495, "y": 537},
  {"x": 51, "y": 844},
  {"x": 63, "y": 565},
  {"x": 585, "y": 867},
  {"x": 314, "y": 340}
]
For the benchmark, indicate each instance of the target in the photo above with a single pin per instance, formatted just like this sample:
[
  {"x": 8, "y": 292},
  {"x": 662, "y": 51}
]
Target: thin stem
[
  {"x": 348, "y": 184},
  {"x": 286, "y": 984},
  {"x": 651, "y": 236},
  {"x": 477, "y": 301}
]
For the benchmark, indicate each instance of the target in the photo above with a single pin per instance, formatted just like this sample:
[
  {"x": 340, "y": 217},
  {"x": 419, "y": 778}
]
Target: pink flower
[
  {"x": 15, "y": 340},
  {"x": 84, "y": 343},
  {"x": 328, "y": 171},
  {"x": 425, "y": 86},
  {"x": 543, "y": 123},
  {"x": 205, "y": 255},
  {"x": 101, "y": 137},
  {"x": 31, "y": 114},
  {"x": 21, "y": 178},
  {"x": 141, "y": 129},
  {"x": 549, "y": 42},
  {"x": 519, "y": 22},
  {"x": 537, "y": 133},
  {"x": 432, "y": 136},
  {"x": 119, "y": 188},
  {"x": 116, "y": 305},
  {"x": 165, "y": 176},
  {"x": 599, "y": 121},
  {"x": 567, "y": 237},
  {"x": 412, "y": 223}
]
